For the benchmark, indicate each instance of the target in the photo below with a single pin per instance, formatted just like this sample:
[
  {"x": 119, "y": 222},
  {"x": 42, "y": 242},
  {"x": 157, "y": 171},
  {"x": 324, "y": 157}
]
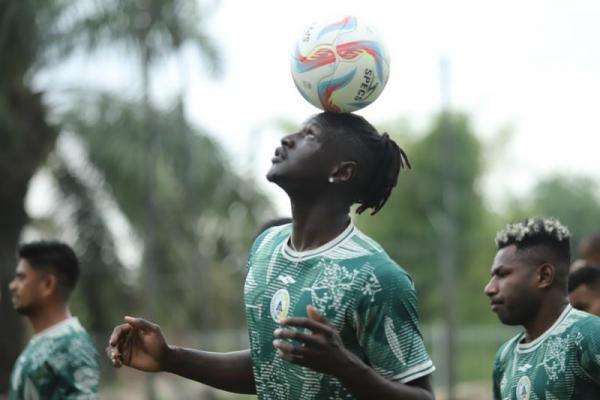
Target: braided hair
[{"x": 382, "y": 156}]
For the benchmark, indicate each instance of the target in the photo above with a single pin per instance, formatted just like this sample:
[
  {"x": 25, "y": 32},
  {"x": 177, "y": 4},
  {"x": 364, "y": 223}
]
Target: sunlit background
[{"x": 140, "y": 133}]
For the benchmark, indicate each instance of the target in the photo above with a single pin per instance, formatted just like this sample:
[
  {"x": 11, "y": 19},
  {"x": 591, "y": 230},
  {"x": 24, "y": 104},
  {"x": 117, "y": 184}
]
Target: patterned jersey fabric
[
  {"x": 369, "y": 299},
  {"x": 58, "y": 363},
  {"x": 563, "y": 363}
]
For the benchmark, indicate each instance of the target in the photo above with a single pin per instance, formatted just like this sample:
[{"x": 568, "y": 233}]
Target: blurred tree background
[
  {"x": 112, "y": 158},
  {"x": 161, "y": 218}
]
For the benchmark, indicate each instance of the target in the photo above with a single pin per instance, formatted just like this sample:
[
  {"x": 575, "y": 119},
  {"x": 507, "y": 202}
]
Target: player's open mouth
[{"x": 279, "y": 155}]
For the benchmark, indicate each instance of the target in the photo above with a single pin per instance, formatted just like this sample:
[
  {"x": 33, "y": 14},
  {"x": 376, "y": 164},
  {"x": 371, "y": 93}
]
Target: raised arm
[{"x": 140, "y": 344}]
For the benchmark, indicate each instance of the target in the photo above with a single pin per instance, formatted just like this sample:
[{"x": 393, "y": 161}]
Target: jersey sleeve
[
  {"x": 497, "y": 375},
  {"x": 386, "y": 324},
  {"x": 76, "y": 370},
  {"x": 590, "y": 349}
]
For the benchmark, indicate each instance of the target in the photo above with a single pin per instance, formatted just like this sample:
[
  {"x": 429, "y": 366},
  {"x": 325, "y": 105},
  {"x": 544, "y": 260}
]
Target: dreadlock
[
  {"x": 390, "y": 158},
  {"x": 373, "y": 149}
]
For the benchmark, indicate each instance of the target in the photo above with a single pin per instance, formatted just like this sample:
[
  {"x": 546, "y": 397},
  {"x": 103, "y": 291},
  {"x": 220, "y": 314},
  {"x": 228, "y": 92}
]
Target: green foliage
[
  {"x": 574, "y": 200},
  {"x": 204, "y": 213},
  {"x": 104, "y": 290},
  {"x": 409, "y": 226}
]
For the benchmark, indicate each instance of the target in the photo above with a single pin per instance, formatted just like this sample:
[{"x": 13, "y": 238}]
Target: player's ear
[
  {"x": 545, "y": 275},
  {"x": 343, "y": 172},
  {"x": 49, "y": 284}
]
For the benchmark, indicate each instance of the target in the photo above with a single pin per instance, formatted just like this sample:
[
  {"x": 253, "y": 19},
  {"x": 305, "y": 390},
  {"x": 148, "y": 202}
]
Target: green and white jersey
[
  {"x": 369, "y": 299},
  {"x": 58, "y": 363},
  {"x": 562, "y": 364}
]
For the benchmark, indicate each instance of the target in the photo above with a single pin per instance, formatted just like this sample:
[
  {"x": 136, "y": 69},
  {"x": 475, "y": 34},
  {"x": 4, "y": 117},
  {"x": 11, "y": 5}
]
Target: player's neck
[
  {"x": 546, "y": 316},
  {"x": 317, "y": 223},
  {"x": 49, "y": 317}
]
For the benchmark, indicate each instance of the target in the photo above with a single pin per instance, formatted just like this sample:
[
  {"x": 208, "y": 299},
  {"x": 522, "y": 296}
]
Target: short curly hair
[{"x": 541, "y": 240}]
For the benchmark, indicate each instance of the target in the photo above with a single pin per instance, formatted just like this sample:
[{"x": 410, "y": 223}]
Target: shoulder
[
  {"x": 587, "y": 325},
  {"x": 586, "y": 321},
  {"x": 506, "y": 350},
  {"x": 76, "y": 345},
  {"x": 374, "y": 261},
  {"x": 391, "y": 273},
  {"x": 270, "y": 238}
]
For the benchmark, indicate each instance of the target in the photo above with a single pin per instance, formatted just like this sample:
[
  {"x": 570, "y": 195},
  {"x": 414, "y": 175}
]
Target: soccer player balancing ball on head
[
  {"x": 558, "y": 354},
  {"x": 329, "y": 314}
]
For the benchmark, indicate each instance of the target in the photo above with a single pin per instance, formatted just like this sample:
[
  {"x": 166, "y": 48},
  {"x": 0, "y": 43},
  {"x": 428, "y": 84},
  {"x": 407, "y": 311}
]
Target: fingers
[
  {"x": 113, "y": 351},
  {"x": 292, "y": 353},
  {"x": 315, "y": 341},
  {"x": 314, "y": 314},
  {"x": 118, "y": 333},
  {"x": 315, "y": 326},
  {"x": 114, "y": 357},
  {"x": 141, "y": 324}
]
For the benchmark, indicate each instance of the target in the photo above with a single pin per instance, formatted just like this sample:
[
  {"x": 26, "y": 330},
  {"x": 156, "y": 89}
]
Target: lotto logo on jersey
[
  {"x": 280, "y": 304},
  {"x": 524, "y": 388}
]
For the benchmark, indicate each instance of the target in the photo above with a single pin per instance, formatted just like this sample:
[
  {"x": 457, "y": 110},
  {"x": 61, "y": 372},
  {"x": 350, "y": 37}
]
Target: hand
[
  {"x": 139, "y": 344},
  {"x": 322, "y": 350}
]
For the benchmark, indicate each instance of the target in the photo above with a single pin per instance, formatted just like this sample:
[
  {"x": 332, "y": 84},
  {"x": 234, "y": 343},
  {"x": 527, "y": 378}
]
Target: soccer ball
[{"x": 340, "y": 66}]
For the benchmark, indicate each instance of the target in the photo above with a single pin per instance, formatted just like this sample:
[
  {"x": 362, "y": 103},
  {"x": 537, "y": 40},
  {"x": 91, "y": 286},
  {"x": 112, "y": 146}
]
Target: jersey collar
[
  {"x": 294, "y": 255},
  {"x": 57, "y": 329},
  {"x": 527, "y": 347}
]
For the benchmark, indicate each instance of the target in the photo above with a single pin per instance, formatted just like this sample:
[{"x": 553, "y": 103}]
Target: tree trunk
[{"x": 25, "y": 141}]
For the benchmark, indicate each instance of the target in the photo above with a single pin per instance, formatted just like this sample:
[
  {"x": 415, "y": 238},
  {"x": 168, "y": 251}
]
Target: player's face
[
  {"x": 586, "y": 299},
  {"x": 26, "y": 288},
  {"x": 511, "y": 288},
  {"x": 303, "y": 157}
]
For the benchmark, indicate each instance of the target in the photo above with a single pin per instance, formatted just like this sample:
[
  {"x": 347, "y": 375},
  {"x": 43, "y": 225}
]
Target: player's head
[
  {"x": 532, "y": 263},
  {"x": 584, "y": 289},
  {"x": 340, "y": 155},
  {"x": 46, "y": 272},
  {"x": 590, "y": 248},
  {"x": 576, "y": 264}
]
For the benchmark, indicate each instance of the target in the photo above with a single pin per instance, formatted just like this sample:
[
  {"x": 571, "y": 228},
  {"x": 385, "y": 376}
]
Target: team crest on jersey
[
  {"x": 523, "y": 388},
  {"x": 280, "y": 304}
]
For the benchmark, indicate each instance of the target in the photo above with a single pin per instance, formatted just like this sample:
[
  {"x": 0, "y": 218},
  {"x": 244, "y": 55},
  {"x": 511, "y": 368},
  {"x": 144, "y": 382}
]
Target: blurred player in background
[
  {"x": 329, "y": 314},
  {"x": 590, "y": 248},
  {"x": 584, "y": 289},
  {"x": 558, "y": 354},
  {"x": 60, "y": 360}
]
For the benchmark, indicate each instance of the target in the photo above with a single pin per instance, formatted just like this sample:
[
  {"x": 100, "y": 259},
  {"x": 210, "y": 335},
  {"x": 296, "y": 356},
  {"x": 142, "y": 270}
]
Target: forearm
[
  {"x": 226, "y": 371},
  {"x": 364, "y": 383}
]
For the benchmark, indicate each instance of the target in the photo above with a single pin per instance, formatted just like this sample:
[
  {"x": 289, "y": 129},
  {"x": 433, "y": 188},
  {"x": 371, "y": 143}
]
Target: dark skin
[
  {"x": 522, "y": 293},
  {"x": 586, "y": 298},
  {"x": 322, "y": 186}
]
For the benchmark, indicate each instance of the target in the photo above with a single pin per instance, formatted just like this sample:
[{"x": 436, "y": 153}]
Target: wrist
[
  {"x": 353, "y": 368},
  {"x": 169, "y": 359}
]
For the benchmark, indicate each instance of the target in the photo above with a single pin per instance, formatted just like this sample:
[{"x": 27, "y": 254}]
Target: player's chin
[
  {"x": 22, "y": 309},
  {"x": 276, "y": 173},
  {"x": 508, "y": 319}
]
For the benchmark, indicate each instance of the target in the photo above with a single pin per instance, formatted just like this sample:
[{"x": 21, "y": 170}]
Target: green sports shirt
[
  {"x": 367, "y": 297},
  {"x": 58, "y": 363},
  {"x": 562, "y": 364}
]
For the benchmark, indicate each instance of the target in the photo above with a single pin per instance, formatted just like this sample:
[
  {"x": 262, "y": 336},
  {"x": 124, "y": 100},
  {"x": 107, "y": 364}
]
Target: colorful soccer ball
[{"x": 340, "y": 66}]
